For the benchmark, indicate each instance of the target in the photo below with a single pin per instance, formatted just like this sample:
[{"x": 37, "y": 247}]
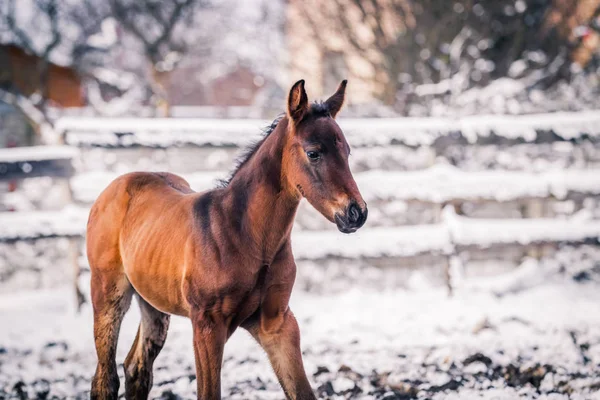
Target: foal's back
[{"x": 140, "y": 226}]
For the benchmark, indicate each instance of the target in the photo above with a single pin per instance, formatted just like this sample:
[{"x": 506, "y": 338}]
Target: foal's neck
[{"x": 267, "y": 206}]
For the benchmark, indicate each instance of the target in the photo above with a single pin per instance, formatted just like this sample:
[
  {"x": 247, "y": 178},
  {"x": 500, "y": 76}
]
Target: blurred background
[{"x": 475, "y": 129}]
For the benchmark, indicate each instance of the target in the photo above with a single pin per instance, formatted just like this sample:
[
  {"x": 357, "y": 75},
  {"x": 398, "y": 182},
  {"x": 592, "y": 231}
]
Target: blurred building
[
  {"x": 41, "y": 82},
  {"x": 20, "y": 72}
]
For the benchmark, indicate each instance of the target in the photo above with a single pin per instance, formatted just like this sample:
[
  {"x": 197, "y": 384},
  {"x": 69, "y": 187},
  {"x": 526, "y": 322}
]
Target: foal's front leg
[
  {"x": 279, "y": 336},
  {"x": 210, "y": 335}
]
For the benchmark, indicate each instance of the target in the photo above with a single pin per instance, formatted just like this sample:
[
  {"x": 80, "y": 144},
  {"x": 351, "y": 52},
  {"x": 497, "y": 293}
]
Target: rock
[
  {"x": 478, "y": 357},
  {"x": 41, "y": 388},
  {"x": 20, "y": 390},
  {"x": 402, "y": 389},
  {"x": 321, "y": 370},
  {"x": 452, "y": 384},
  {"x": 397, "y": 396},
  {"x": 344, "y": 368},
  {"x": 169, "y": 395},
  {"x": 325, "y": 389},
  {"x": 534, "y": 375},
  {"x": 61, "y": 344},
  {"x": 483, "y": 325}
]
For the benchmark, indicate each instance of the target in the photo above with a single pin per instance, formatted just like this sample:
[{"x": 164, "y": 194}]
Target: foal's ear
[
  {"x": 335, "y": 102},
  {"x": 297, "y": 101}
]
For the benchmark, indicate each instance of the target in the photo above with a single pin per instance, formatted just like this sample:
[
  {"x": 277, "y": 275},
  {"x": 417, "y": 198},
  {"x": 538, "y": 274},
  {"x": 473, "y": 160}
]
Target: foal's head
[{"x": 315, "y": 160}]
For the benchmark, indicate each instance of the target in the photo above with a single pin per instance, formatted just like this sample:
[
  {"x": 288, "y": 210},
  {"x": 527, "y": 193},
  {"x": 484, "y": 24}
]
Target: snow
[
  {"x": 423, "y": 131},
  {"x": 568, "y": 125},
  {"x": 359, "y": 131},
  {"x": 529, "y": 274},
  {"x": 488, "y": 232},
  {"x": 37, "y": 153},
  {"x": 372, "y": 242},
  {"x": 582, "y": 181},
  {"x": 68, "y": 222},
  {"x": 438, "y": 184},
  {"x": 107, "y": 36},
  {"x": 442, "y": 183},
  {"x": 379, "y": 341},
  {"x": 455, "y": 231},
  {"x": 94, "y": 124}
]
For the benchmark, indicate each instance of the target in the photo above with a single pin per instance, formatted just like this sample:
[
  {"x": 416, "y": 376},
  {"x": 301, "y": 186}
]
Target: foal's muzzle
[{"x": 353, "y": 218}]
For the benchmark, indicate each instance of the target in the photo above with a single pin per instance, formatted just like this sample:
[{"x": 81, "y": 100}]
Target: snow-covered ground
[{"x": 364, "y": 343}]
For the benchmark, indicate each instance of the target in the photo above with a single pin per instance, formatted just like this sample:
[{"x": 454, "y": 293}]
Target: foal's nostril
[
  {"x": 353, "y": 213},
  {"x": 352, "y": 219}
]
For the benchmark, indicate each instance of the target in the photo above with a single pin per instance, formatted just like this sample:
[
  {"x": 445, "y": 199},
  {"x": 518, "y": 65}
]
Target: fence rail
[
  {"x": 412, "y": 132},
  {"x": 454, "y": 232},
  {"x": 439, "y": 184},
  {"x": 28, "y": 162}
]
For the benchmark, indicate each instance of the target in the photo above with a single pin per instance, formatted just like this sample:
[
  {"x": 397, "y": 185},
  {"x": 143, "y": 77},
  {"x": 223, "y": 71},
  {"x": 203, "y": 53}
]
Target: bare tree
[
  {"x": 461, "y": 44},
  {"x": 154, "y": 31},
  {"x": 576, "y": 23},
  {"x": 30, "y": 95},
  {"x": 154, "y": 24}
]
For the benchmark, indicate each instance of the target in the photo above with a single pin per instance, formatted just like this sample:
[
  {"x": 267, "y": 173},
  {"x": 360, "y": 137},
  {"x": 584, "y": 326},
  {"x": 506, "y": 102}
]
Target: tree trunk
[{"x": 159, "y": 83}]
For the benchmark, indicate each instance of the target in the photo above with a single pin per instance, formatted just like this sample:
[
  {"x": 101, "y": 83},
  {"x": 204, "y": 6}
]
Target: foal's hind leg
[
  {"x": 111, "y": 297},
  {"x": 149, "y": 341}
]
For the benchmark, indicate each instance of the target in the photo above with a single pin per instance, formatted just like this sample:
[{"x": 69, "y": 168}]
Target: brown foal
[{"x": 223, "y": 258}]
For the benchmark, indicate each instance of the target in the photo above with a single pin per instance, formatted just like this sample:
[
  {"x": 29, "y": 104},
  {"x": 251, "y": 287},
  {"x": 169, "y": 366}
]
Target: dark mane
[
  {"x": 320, "y": 109},
  {"x": 317, "y": 109},
  {"x": 247, "y": 153}
]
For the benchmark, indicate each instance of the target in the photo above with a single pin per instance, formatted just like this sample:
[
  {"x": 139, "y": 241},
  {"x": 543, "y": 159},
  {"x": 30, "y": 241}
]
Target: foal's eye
[{"x": 313, "y": 155}]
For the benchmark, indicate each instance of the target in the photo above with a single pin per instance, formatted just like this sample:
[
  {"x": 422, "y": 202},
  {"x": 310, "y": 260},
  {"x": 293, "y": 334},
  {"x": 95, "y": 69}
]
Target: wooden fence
[{"x": 403, "y": 167}]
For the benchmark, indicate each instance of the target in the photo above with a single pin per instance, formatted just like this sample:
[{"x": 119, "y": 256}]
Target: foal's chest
[
  {"x": 233, "y": 295},
  {"x": 246, "y": 297}
]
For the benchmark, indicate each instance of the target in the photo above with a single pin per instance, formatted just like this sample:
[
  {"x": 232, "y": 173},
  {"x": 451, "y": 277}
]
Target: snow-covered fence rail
[
  {"x": 27, "y": 162},
  {"x": 35, "y": 225},
  {"x": 452, "y": 234},
  {"x": 446, "y": 184},
  {"x": 440, "y": 184},
  {"x": 412, "y": 132}
]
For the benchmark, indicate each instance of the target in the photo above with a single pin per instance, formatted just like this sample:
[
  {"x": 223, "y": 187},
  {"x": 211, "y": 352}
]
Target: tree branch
[
  {"x": 24, "y": 40},
  {"x": 51, "y": 10}
]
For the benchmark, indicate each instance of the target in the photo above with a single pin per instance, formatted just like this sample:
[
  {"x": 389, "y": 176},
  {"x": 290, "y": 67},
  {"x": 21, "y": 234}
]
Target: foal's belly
[
  {"x": 168, "y": 266},
  {"x": 167, "y": 293},
  {"x": 154, "y": 261},
  {"x": 158, "y": 283},
  {"x": 161, "y": 288},
  {"x": 157, "y": 271}
]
